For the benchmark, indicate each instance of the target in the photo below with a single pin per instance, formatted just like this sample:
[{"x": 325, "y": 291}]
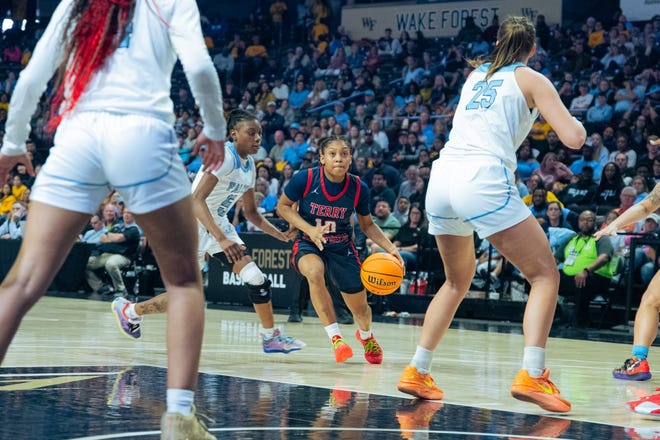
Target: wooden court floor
[{"x": 70, "y": 374}]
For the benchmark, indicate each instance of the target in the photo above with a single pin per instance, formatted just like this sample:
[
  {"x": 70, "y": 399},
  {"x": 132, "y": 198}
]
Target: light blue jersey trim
[
  {"x": 79, "y": 182},
  {"x": 510, "y": 68},
  {"x": 237, "y": 159},
  {"x": 506, "y": 202}
]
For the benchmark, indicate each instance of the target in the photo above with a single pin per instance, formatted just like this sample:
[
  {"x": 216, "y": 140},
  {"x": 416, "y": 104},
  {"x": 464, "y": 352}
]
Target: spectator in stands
[
  {"x": 578, "y": 60},
  {"x": 224, "y": 64},
  {"x": 554, "y": 216},
  {"x": 14, "y": 226},
  {"x": 96, "y": 231},
  {"x": 369, "y": 147},
  {"x": 380, "y": 191},
  {"x": 469, "y": 31},
  {"x": 411, "y": 236},
  {"x": 17, "y": 187},
  {"x": 621, "y": 160},
  {"x": 285, "y": 178},
  {"x": 623, "y": 146},
  {"x": 256, "y": 53},
  {"x": 585, "y": 272},
  {"x": 609, "y": 188},
  {"x": 271, "y": 122},
  {"x": 601, "y": 153},
  {"x": 587, "y": 159},
  {"x": 581, "y": 192},
  {"x": 625, "y": 98},
  {"x": 298, "y": 96},
  {"x": 581, "y": 103},
  {"x": 651, "y": 152},
  {"x": 552, "y": 171},
  {"x": 295, "y": 151},
  {"x": 527, "y": 163},
  {"x": 613, "y": 60},
  {"x": 392, "y": 175},
  {"x": 279, "y": 145},
  {"x": 389, "y": 46},
  {"x": 117, "y": 248},
  {"x": 262, "y": 186},
  {"x": 401, "y": 208},
  {"x": 7, "y": 200},
  {"x": 601, "y": 112},
  {"x": 318, "y": 96},
  {"x": 408, "y": 186},
  {"x": 419, "y": 195},
  {"x": 382, "y": 216}
]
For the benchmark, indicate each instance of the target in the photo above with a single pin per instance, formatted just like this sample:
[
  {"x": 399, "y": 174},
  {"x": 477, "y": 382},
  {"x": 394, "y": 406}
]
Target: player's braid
[
  {"x": 237, "y": 116},
  {"x": 92, "y": 32}
]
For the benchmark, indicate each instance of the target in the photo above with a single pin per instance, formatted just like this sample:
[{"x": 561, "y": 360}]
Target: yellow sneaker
[
  {"x": 540, "y": 391},
  {"x": 176, "y": 426},
  {"x": 419, "y": 385}
]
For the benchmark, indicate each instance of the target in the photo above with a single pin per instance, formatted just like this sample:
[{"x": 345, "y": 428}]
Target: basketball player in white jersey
[
  {"x": 474, "y": 189},
  {"x": 214, "y": 194},
  {"x": 114, "y": 120}
]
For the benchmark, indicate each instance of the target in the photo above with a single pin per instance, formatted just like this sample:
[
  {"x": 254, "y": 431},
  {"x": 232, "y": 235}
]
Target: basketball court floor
[{"x": 70, "y": 374}]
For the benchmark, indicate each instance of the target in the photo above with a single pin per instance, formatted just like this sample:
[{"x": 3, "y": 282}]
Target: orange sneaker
[
  {"x": 343, "y": 351},
  {"x": 547, "y": 427},
  {"x": 539, "y": 390},
  {"x": 419, "y": 385},
  {"x": 372, "y": 351},
  {"x": 416, "y": 415}
]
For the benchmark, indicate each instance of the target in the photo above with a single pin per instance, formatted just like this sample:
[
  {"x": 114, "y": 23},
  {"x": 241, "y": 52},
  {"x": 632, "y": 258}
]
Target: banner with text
[
  {"x": 273, "y": 258},
  {"x": 443, "y": 19}
]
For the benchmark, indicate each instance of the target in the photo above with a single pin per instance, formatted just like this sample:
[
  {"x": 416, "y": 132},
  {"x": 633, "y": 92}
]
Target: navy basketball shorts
[{"x": 341, "y": 262}]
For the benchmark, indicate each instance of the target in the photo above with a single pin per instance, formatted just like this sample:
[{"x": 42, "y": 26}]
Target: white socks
[
  {"x": 422, "y": 360},
  {"x": 180, "y": 401},
  {"x": 365, "y": 334},
  {"x": 534, "y": 361},
  {"x": 332, "y": 330},
  {"x": 266, "y": 333},
  {"x": 132, "y": 315}
]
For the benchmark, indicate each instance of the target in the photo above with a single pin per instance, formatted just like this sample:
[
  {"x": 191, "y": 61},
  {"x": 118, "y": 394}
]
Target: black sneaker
[{"x": 294, "y": 317}]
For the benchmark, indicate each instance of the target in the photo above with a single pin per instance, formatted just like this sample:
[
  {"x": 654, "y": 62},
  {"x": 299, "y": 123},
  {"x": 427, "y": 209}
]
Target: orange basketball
[{"x": 381, "y": 273}]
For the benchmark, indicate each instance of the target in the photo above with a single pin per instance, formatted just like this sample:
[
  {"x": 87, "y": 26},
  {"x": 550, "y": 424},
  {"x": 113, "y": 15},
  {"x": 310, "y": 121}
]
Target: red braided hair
[{"x": 98, "y": 28}]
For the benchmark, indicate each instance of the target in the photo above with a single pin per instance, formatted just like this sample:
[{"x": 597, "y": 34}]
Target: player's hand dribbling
[
  {"x": 214, "y": 154},
  {"x": 233, "y": 251},
  {"x": 399, "y": 257}
]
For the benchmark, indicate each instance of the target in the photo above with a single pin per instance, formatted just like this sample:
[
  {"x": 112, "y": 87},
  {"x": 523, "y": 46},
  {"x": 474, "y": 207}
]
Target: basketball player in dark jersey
[{"x": 327, "y": 198}]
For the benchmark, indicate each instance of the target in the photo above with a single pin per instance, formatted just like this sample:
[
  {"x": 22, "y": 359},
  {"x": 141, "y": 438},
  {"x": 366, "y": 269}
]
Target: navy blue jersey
[{"x": 323, "y": 202}]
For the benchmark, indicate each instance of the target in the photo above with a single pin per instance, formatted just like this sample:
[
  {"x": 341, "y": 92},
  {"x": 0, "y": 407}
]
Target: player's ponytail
[
  {"x": 94, "y": 29},
  {"x": 515, "y": 39}
]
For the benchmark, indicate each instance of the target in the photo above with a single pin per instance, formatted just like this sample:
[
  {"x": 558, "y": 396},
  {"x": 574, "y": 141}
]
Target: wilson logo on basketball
[{"x": 380, "y": 282}]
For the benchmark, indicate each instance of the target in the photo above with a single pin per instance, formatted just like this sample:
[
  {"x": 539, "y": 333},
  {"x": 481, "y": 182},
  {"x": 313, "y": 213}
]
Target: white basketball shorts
[
  {"x": 96, "y": 151},
  {"x": 478, "y": 194}
]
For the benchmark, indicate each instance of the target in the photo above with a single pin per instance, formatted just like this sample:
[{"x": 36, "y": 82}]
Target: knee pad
[{"x": 259, "y": 294}]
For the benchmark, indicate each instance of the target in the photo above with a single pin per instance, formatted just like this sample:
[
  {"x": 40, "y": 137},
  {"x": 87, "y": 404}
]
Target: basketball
[{"x": 381, "y": 273}]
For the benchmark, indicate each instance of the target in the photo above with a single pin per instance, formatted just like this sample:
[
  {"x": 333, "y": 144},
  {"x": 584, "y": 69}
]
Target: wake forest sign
[
  {"x": 440, "y": 19},
  {"x": 273, "y": 258}
]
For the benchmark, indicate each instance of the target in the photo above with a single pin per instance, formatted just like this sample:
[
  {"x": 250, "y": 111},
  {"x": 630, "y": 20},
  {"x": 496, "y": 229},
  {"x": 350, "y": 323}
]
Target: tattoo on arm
[{"x": 654, "y": 197}]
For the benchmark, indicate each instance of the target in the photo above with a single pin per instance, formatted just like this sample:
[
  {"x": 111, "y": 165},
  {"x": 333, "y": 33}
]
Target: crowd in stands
[{"x": 393, "y": 99}]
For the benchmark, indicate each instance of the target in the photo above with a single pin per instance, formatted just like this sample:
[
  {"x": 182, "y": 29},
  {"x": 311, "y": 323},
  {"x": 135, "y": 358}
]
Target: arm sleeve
[
  {"x": 296, "y": 187},
  {"x": 186, "y": 37},
  {"x": 33, "y": 80},
  {"x": 362, "y": 207}
]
